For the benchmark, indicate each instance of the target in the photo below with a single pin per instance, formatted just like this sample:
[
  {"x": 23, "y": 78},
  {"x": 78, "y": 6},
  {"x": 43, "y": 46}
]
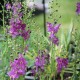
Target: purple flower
[
  {"x": 22, "y": 62},
  {"x": 55, "y": 40},
  {"x": 17, "y": 27},
  {"x": 16, "y": 8},
  {"x": 18, "y": 67},
  {"x": 53, "y": 29},
  {"x": 11, "y": 21},
  {"x": 49, "y": 27},
  {"x": 14, "y": 28},
  {"x": 23, "y": 26},
  {"x": 40, "y": 62},
  {"x": 18, "y": 21},
  {"x": 13, "y": 32},
  {"x": 25, "y": 34},
  {"x": 19, "y": 6},
  {"x": 20, "y": 14},
  {"x": 78, "y": 8},
  {"x": 8, "y": 6},
  {"x": 13, "y": 74},
  {"x": 56, "y": 28},
  {"x": 61, "y": 63},
  {"x": 13, "y": 6},
  {"x": 33, "y": 72}
]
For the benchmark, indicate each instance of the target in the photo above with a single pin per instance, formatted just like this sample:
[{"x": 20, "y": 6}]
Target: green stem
[
  {"x": 3, "y": 19},
  {"x": 74, "y": 67},
  {"x": 51, "y": 57},
  {"x": 52, "y": 62},
  {"x": 54, "y": 77},
  {"x": 21, "y": 78},
  {"x": 23, "y": 45},
  {"x": 62, "y": 75},
  {"x": 74, "y": 71},
  {"x": 41, "y": 77}
]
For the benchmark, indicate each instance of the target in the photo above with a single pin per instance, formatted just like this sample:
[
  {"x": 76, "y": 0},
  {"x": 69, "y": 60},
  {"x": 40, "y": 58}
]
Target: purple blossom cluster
[
  {"x": 8, "y": 6},
  {"x": 18, "y": 67},
  {"x": 17, "y": 26},
  {"x": 61, "y": 63},
  {"x": 53, "y": 29},
  {"x": 78, "y": 8},
  {"x": 16, "y": 9},
  {"x": 40, "y": 62}
]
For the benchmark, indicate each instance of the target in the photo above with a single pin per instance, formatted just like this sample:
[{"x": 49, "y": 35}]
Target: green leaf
[{"x": 69, "y": 32}]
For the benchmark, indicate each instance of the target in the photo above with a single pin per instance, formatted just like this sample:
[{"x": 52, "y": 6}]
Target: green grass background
[{"x": 67, "y": 11}]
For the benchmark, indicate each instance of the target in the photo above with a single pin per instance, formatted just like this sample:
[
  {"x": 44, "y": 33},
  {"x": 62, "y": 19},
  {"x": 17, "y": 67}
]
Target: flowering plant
[{"x": 27, "y": 54}]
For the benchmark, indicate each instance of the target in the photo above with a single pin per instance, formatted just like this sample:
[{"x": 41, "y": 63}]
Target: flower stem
[
  {"x": 3, "y": 19},
  {"x": 61, "y": 75},
  {"x": 74, "y": 67},
  {"x": 52, "y": 62}
]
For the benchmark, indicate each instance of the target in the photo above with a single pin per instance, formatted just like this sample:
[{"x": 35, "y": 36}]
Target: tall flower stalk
[
  {"x": 17, "y": 26},
  {"x": 17, "y": 29},
  {"x": 53, "y": 29}
]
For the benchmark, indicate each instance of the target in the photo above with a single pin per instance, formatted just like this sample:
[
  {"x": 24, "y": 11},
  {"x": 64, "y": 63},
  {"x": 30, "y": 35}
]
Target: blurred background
[{"x": 60, "y": 11}]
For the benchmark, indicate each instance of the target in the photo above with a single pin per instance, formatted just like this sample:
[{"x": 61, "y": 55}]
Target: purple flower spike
[
  {"x": 61, "y": 63},
  {"x": 78, "y": 8},
  {"x": 53, "y": 29},
  {"x": 17, "y": 26},
  {"x": 40, "y": 62},
  {"x": 18, "y": 67}
]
